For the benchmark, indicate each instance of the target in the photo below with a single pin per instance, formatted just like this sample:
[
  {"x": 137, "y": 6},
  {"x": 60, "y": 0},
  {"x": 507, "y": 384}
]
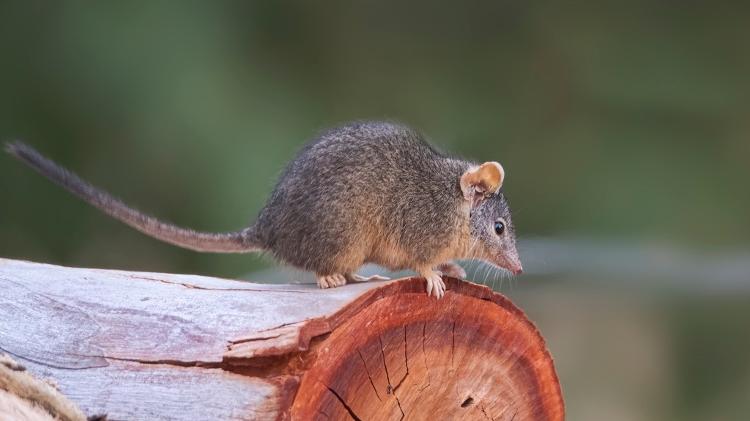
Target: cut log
[{"x": 148, "y": 346}]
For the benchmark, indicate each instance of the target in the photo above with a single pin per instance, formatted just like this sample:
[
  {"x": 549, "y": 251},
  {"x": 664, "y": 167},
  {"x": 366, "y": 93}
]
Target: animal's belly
[{"x": 393, "y": 258}]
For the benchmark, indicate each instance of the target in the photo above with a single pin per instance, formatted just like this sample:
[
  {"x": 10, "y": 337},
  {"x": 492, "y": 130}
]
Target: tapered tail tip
[
  {"x": 22, "y": 151},
  {"x": 15, "y": 147}
]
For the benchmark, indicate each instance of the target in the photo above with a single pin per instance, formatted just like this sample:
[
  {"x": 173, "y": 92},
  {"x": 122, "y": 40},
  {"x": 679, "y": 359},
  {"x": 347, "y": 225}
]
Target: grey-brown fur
[
  {"x": 364, "y": 192},
  {"x": 363, "y": 177}
]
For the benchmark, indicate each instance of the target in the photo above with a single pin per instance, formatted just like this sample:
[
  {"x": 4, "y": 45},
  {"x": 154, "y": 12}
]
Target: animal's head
[{"x": 493, "y": 236}]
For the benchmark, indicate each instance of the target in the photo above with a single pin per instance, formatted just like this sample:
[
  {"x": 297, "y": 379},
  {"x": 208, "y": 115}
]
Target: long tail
[{"x": 230, "y": 242}]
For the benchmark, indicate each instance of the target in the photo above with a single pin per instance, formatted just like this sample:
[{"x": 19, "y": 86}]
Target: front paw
[
  {"x": 435, "y": 284},
  {"x": 452, "y": 269}
]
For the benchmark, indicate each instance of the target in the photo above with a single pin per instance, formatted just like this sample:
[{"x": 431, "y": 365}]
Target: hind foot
[
  {"x": 353, "y": 277},
  {"x": 452, "y": 269},
  {"x": 331, "y": 281}
]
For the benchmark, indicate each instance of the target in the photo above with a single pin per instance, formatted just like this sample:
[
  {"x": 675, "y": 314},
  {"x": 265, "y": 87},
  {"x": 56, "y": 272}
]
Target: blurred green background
[{"x": 624, "y": 128}]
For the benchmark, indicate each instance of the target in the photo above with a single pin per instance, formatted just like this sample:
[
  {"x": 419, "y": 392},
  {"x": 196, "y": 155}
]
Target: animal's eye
[{"x": 499, "y": 227}]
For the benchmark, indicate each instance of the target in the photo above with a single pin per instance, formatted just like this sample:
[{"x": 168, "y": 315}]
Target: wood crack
[
  {"x": 388, "y": 378},
  {"x": 285, "y": 325},
  {"x": 453, "y": 343},
  {"x": 254, "y": 339},
  {"x": 368, "y": 375},
  {"x": 346, "y": 406},
  {"x": 59, "y": 367},
  {"x": 177, "y": 363},
  {"x": 424, "y": 356},
  {"x": 406, "y": 362},
  {"x": 192, "y": 286},
  {"x": 484, "y": 412}
]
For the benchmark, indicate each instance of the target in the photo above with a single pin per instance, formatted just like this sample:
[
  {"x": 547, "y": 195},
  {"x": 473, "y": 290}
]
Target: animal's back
[{"x": 355, "y": 191}]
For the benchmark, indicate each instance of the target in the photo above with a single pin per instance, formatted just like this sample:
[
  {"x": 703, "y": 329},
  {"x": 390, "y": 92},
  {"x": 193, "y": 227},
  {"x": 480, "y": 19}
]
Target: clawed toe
[
  {"x": 331, "y": 281},
  {"x": 323, "y": 282},
  {"x": 435, "y": 284}
]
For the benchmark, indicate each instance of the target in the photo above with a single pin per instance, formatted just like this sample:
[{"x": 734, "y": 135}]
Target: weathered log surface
[{"x": 144, "y": 346}]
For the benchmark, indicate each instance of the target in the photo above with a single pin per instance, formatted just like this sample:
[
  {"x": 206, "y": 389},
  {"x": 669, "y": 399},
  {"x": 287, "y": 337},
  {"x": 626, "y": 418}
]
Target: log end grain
[{"x": 397, "y": 353}]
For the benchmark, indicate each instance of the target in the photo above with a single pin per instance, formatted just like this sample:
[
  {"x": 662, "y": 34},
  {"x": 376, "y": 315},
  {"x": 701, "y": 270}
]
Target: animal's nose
[{"x": 518, "y": 271}]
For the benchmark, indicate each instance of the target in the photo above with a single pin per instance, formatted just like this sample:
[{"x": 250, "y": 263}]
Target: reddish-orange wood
[{"x": 470, "y": 355}]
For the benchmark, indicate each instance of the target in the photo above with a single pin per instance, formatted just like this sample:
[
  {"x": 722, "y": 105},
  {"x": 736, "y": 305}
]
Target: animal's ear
[{"x": 481, "y": 181}]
